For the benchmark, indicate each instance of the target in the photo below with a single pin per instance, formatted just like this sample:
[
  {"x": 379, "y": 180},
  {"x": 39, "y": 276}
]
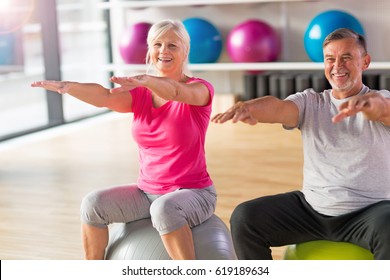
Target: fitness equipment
[
  {"x": 253, "y": 41},
  {"x": 286, "y": 85},
  {"x": 274, "y": 84},
  {"x": 372, "y": 80},
  {"x": 326, "y": 250},
  {"x": 133, "y": 43},
  {"x": 384, "y": 81},
  {"x": 262, "y": 85},
  {"x": 250, "y": 85},
  {"x": 139, "y": 240},
  {"x": 319, "y": 82},
  {"x": 322, "y": 25},
  {"x": 7, "y": 47},
  {"x": 302, "y": 82},
  {"x": 11, "y": 49},
  {"x": 205, "y": 40}
]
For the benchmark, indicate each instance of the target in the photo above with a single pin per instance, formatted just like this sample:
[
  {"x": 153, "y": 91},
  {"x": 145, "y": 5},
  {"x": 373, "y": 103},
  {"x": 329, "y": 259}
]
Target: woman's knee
[
  {"x": 166, "y": 216},
  {"x": 90, "y": 211},
  {"x": 161, "y": 210}
]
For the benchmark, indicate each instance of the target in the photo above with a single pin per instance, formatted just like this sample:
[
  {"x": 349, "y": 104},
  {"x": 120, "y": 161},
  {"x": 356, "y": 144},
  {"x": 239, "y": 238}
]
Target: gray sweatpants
[{"x": 168, "y": 212}]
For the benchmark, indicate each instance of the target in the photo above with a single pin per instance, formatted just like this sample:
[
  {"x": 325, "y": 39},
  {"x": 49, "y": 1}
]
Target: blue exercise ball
[
  {"x": 7, "y": 47},
  {"x": 322, "y": 25},
  {"x": 206, "y": 40}
]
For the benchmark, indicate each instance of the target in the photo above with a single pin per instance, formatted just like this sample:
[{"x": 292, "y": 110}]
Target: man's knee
[
  {"x": 240, "y": 217},
  {"x": 382, "y": 225}
]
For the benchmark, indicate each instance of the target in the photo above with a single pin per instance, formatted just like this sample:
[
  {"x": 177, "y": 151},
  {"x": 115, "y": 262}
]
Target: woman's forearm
[
  {"x": 165, "y": 88},
  {"x": 90, "y": 93}
]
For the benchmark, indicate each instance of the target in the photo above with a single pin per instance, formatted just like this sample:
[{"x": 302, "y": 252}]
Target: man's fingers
[
  {"x": 216, "y": 118},
  {"x": 221, "y": 118},
  {"x": 340, "y": 116}
]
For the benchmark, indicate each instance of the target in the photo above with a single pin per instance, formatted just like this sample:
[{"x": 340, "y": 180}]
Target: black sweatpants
[{"x": 284, "y": 219}]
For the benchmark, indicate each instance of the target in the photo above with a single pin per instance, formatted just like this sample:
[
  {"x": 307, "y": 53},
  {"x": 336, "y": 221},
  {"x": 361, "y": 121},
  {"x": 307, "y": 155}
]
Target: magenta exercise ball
[
  {"x": 253, "y": 41},
  {"x": 133, "y": 45}
]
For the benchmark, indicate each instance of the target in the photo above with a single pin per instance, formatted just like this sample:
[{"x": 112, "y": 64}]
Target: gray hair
[{"x": 344, "y": 33}]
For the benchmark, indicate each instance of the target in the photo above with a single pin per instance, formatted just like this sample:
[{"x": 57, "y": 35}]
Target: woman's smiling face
[{"x": 167, "y": 53}]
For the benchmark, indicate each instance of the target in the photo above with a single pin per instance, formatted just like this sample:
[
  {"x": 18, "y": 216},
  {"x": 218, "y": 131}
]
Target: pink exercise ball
[
  {"x": 253, "y": 41},
  {"x": 133, "y": 45}
]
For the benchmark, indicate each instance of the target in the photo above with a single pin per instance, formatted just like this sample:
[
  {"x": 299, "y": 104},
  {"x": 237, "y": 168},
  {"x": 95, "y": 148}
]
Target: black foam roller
[
  {"x": 249, "y": 87},
  {"x": 287, "y": 86},
  {"x": 274, "y": 87},
  {"x": 262, "y": 85},
  {"x": 384, "y": 82},
  {"x": 319, "y": 82},
  {"x": 371, "y": 80},
  {"x": 302, "y": 82}
]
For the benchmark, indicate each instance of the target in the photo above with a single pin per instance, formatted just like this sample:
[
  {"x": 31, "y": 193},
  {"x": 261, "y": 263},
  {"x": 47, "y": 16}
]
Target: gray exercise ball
[{"x": 139, "y": 240}]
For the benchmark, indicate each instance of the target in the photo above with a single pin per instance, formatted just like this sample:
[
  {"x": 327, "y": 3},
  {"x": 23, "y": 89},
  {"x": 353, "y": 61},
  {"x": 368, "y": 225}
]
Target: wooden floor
[{"x": 43, "y": 177}]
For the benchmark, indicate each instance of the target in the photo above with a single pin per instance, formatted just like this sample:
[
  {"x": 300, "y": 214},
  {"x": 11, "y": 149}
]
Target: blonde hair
[{"x": 160, "y": 28}]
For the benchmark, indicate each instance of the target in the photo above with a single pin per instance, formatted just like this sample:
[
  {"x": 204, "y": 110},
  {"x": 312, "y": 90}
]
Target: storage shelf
[
  {"x": 266, "y": 66},
  {"x": 118, "y": 5},
  {"x": 221, "y": 67},
  {"x": 170, "y": 3}
]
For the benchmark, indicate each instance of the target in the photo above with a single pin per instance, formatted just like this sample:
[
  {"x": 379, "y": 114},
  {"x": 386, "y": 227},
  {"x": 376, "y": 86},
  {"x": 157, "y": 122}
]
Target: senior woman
[{"x": 171, "y": 115}]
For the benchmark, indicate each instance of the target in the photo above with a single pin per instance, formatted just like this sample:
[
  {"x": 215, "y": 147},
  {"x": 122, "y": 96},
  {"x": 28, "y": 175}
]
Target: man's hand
[
  {"x": 239, "y": 112},
  {"x": 373, "y": 105}
]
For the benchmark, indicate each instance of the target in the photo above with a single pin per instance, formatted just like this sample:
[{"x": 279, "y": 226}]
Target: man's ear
[{"x": 367, "y": 61}]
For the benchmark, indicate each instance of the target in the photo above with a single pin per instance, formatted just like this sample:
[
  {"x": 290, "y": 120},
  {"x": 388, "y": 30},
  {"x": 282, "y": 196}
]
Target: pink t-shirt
[{"x": 171, "y": 142}]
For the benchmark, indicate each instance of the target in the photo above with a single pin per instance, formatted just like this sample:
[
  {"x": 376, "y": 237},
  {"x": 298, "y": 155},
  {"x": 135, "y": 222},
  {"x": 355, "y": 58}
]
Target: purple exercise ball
[
  {"x": 133, "y": 45},
  {"x": 253, "y": 41}
]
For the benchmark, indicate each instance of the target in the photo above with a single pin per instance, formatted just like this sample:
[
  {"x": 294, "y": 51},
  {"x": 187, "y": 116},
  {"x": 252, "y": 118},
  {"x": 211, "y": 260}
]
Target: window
[{"x": 83, "y": 45}]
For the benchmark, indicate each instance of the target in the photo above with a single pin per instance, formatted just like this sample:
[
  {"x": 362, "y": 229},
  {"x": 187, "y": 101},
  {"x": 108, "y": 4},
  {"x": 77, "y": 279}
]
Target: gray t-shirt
[{"x": 346, "y": 164}]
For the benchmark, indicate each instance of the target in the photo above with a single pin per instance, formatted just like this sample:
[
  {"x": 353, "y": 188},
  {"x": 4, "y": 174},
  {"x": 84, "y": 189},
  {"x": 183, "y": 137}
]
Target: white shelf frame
[
  {"x": 201, "y": 67},
  {"x": 171, "y": 3},
  {"x": 229, "y": 67},
  {"x": 117, "y": 6}
]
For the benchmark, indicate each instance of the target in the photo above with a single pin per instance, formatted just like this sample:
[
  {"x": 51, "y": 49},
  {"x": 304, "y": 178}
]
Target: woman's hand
[
  {"x": 128, "y": 83},
  {"x": 56, "y": 86}
]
